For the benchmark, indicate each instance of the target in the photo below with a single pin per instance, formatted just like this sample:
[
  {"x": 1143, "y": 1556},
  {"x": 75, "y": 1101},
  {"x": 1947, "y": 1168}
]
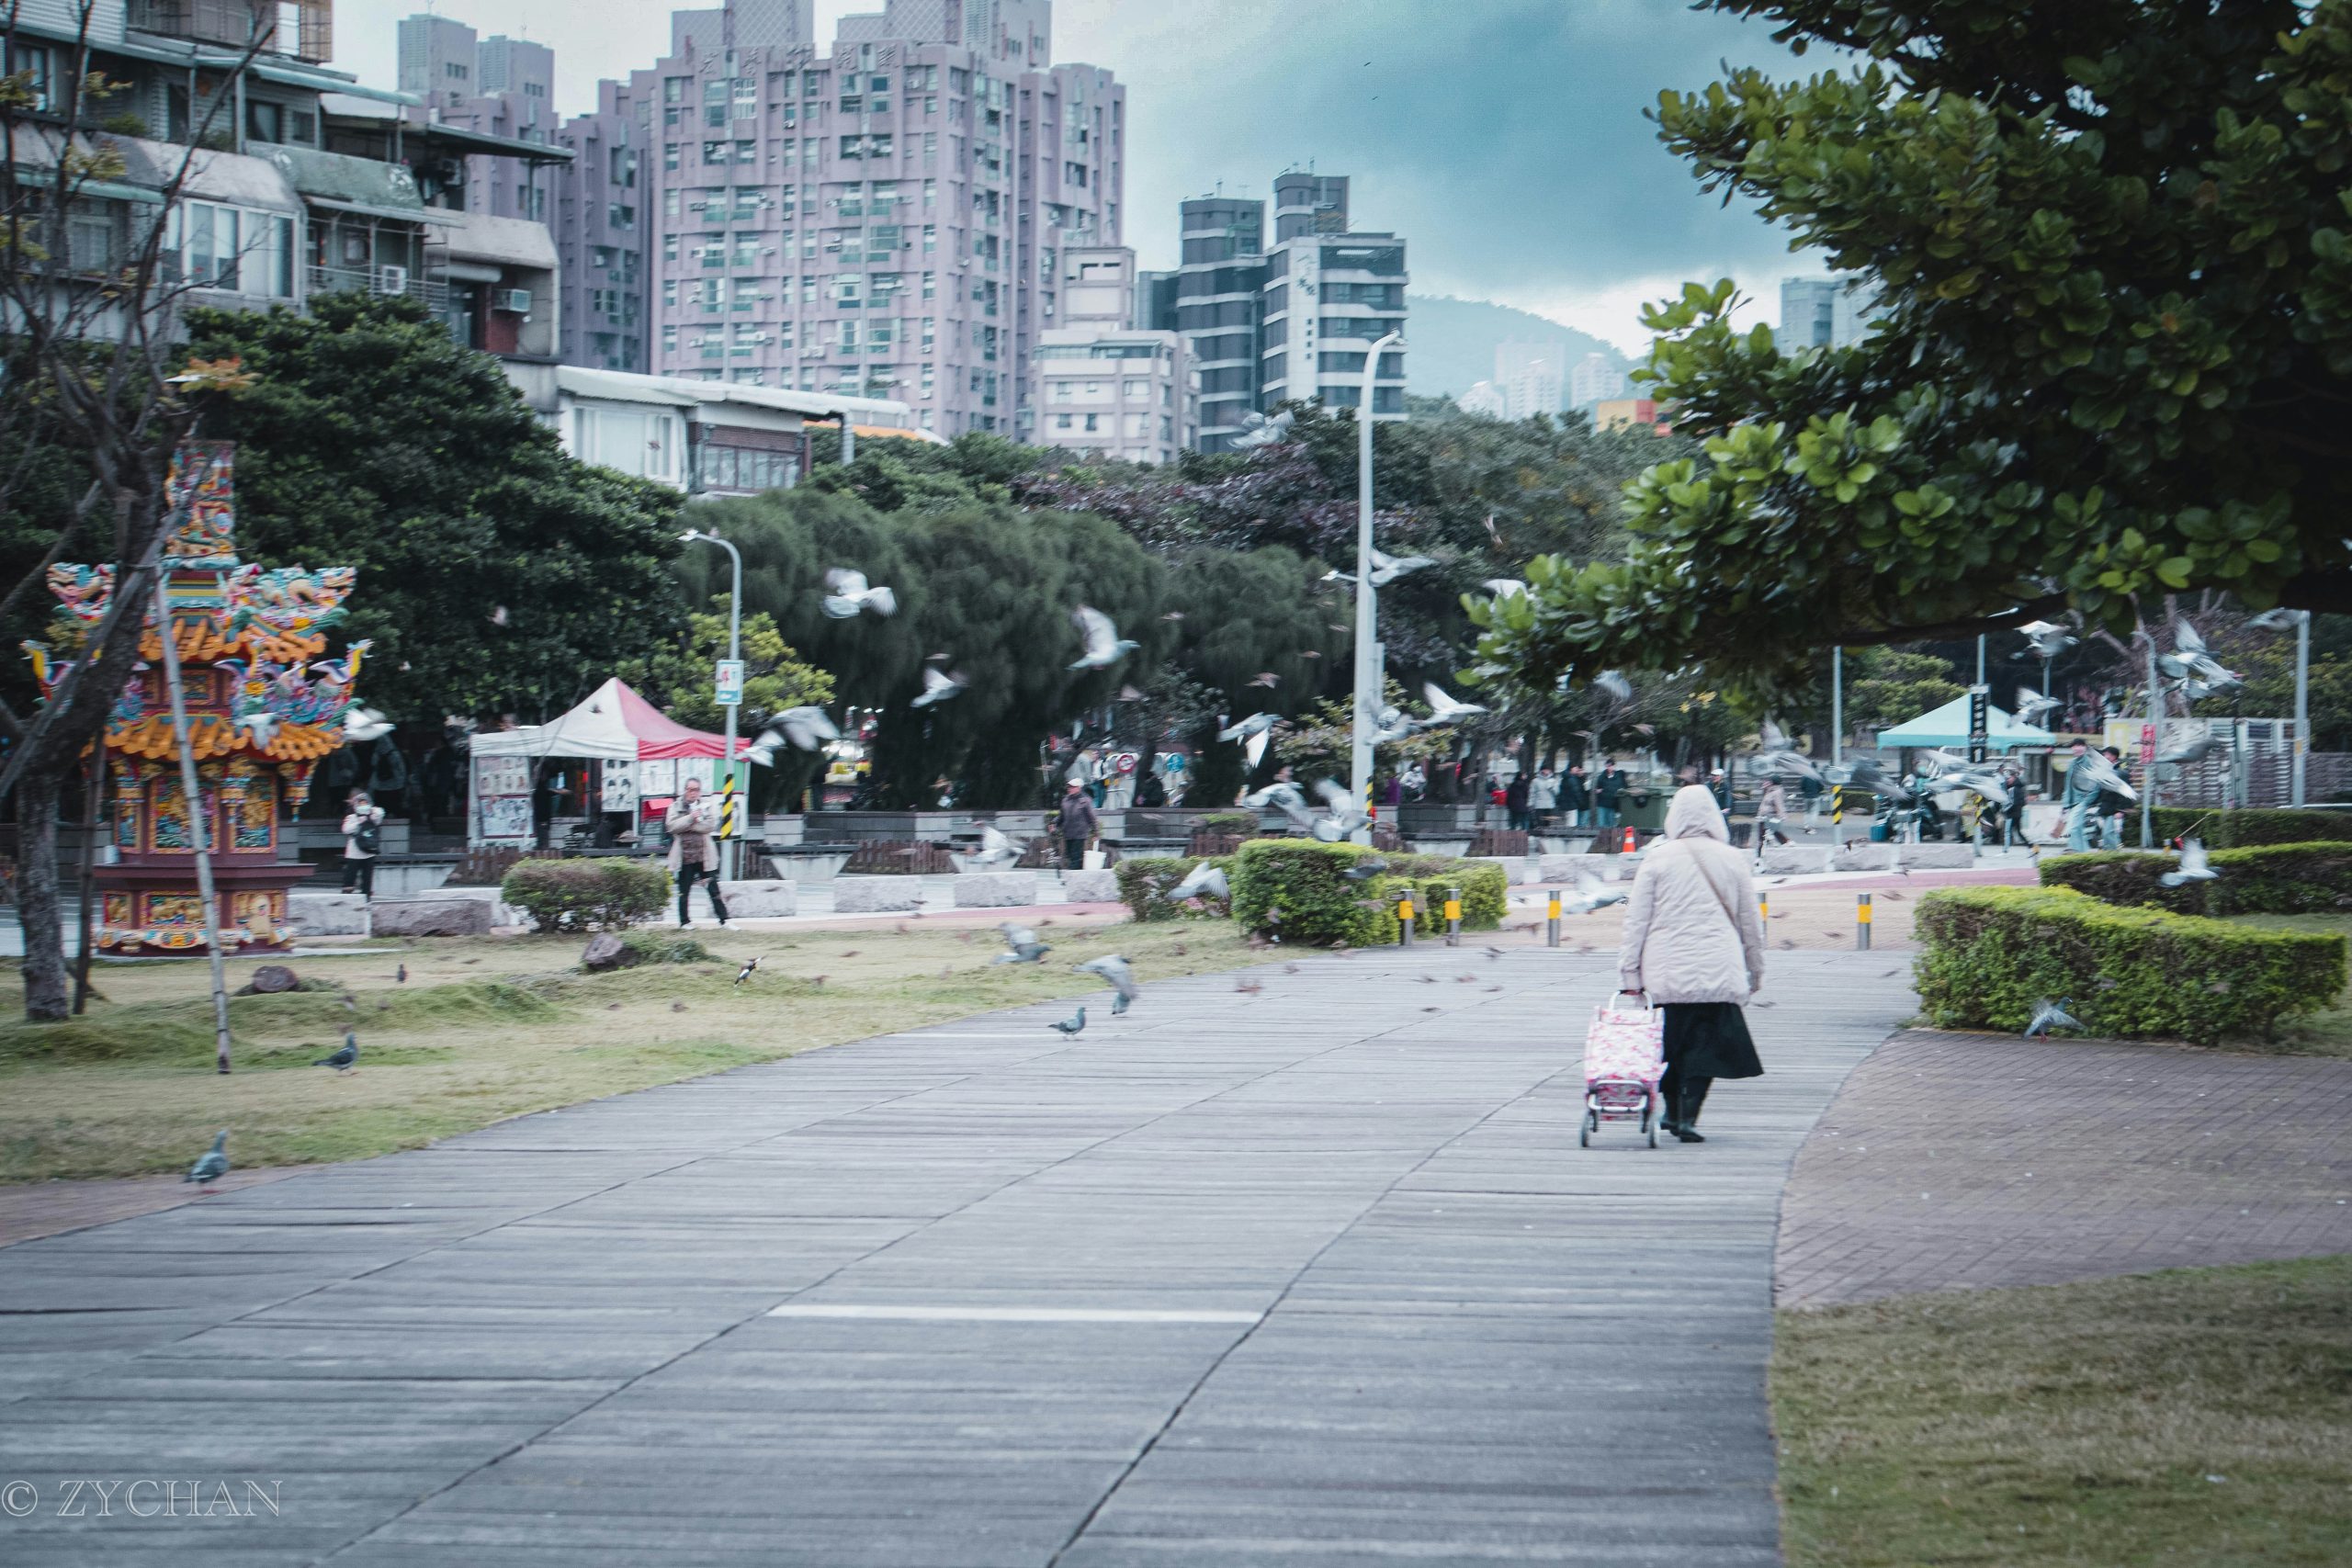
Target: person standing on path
[
  {"x": 694, "y": 822},
  {"x": 363, "y": 841},
  {"x": 1693, "y": 946},
  {"x": 1515, "y": 802},
  {"x": 1772, "y": 805},
  {"x": 2080, "y": 798},
  {"x": 1079, "y": 825},
  {"x": 1575, "y": 797},
  {"x": 1606, "y": 791}
]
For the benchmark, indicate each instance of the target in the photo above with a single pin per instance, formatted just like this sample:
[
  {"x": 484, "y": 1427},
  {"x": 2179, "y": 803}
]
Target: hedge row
[
  {"x": 2246, "y": 827},
  {"x": 1144, "y": 884},
  {"x": 2274, "y": 879},
  {"x": 1989, "y": 953},
  {"x": 609, "y": 892},
  {"x": 1296, "y": 889}
]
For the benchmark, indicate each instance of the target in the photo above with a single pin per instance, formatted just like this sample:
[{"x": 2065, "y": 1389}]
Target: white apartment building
[{"x": 1102, "y": 385}]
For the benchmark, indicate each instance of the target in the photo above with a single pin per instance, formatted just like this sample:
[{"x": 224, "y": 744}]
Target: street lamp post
[
  {"x": 1367, "y": 613},
  {"x": 2302, "y": 701},
  {"x": 728, "y": 858}
]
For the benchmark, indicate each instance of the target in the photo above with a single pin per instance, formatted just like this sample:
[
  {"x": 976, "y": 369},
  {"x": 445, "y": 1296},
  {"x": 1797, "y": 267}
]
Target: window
[
  {"x": 670, "y": 201},
  {"x": 670, "y": 246},
  {"x": 848, "y": 290},
  {"x": 1134, "y": 429},
  {"x": 225, "y": 247},
  {"x": 928, "y": 324},
  {"x": 1064, "y": 421},
  {"x": 1094, "y": 392},
  {"x": 716, "y": 152},
  {"x": 747, "y": 152},
  {"x": 747, "y": 97},
  {"x": 36, "y": 64},
  {"x": 673, "y": 89},
  {"x": 1136, "y": 390},
  {"x": 669, "y": 156},
  {"x": 930, "y": 195},
  {"x": 927, "y": 385},
  {"x": 670, "y": 340},
  {"x": 714, "y": 102},
  {"x": 620, "y": 217},
  {"x": 930, "y": 284},
  {"x": 1093, "y": 422},
  {"x": 623, "y": 165},
  {"x": 848, "y": 339},
  {"x": 747, "y": 251},
  {"x": 670, "y": 293},
  {"x": 1063, "y": 390},
  {"x": 812, "y": 83}
]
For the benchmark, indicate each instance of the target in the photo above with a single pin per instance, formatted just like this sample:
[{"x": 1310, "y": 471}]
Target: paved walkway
[
  {"x": 1964, "y": 1161},
  {"x": 1311, "y": 1275}
]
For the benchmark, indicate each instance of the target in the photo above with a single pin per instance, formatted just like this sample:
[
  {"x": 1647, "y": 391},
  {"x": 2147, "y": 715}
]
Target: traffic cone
[{"x": 1629, "y": 838}]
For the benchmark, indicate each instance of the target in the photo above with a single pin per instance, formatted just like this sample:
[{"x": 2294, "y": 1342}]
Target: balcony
[
  {"x": 434, "y": 293},
  {"x": 302, "y": 28}
]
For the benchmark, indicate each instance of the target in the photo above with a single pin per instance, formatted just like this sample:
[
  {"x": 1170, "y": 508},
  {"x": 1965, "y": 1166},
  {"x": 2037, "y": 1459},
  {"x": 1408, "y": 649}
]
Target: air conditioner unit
[
  {"x": 390, "y": 279},
  {"x": 516, "y": 300},
  {"x": 757, "y": 337}
]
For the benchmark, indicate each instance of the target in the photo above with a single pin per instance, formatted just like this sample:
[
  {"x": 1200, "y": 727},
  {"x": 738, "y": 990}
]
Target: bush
[
  {"x": 584, "y": 895},
  {"x": 1989, "y": 953},
  {"x": 1229, "y": 822},
  {"x": 1143, "y": 883},
  {"x": 1302, "y": 881},
  {"x": 2246, "y": 827},
  {"x": 2272, "y": 879}
]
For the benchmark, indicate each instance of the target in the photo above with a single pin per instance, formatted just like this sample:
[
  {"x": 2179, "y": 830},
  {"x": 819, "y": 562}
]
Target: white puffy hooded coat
[{"x": 1692, "y": 931}]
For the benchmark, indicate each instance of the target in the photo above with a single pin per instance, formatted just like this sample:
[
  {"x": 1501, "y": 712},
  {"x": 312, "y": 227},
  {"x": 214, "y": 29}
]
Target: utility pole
[
  {"x": 2157, "y": 732},
  {"x": 199, "y": 823},
  {"x": 1368, "y": 687},
  {"x": 2302, "y": 702},
  {"x": 1837, "y": 705},
  {"x": 729, "y": 855}
]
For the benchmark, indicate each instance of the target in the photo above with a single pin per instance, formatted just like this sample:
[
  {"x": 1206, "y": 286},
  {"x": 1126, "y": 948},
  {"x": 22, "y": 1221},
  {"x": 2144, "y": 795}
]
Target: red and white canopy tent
[{"x": 611, "y": 725}]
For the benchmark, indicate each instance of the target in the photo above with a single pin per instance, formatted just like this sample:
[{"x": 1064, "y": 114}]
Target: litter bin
[{"x": 1644, "y": 809}]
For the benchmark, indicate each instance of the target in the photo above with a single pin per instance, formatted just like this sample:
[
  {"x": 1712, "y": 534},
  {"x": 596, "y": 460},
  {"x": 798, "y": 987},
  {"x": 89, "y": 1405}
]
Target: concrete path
[
  {"x": 1311, "y": 1275},
  {"x": 1955, "y": 1161}
]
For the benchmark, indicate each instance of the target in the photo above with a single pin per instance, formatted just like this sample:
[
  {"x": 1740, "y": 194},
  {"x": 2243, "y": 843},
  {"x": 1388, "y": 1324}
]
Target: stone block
[
  {"x": 760, "y": 900},
  {"x": 876, "y": 895},
  {"x": 996, "y": 889},
  {"x": 1090, "y": 886},
  {"x": 327, "y": 914},
  {"x": 1437, "y": 846},
  {"x": 1867, "y": 857},
  {"x": 431, "y": 916},
  {"x": 1515, "y": 868},
  {"x": 605, "y": 951},
  {"x": 1786, "y": 859},
  {"x": 1940, "y": 857}
]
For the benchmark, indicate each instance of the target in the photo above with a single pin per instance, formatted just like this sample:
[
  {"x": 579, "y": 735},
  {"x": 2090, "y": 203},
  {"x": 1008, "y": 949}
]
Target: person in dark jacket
[
  {"x": 1078, "y": 824},
  {"x": 1515, "y": 801},
  {"x": 2111, "y": 806},
  {"x": 1576, "y": 795},
  {"x": 1607, "y": 790}
]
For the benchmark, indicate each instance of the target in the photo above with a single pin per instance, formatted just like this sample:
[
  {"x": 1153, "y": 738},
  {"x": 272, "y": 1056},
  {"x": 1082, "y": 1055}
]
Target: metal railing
[{"x": 433, "y": 292}]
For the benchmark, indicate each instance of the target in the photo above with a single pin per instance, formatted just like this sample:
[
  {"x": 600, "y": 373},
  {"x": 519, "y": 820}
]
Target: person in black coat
[{"x": 1515, "y": 801}]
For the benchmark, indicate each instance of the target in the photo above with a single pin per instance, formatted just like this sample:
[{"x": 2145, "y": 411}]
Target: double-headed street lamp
[
  {"x": 1368, "y": 671},
  {"x": 729, "y": 859}
]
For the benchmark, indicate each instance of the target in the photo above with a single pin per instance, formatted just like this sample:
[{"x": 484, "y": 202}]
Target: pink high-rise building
[{"x": 884, "y": 220}]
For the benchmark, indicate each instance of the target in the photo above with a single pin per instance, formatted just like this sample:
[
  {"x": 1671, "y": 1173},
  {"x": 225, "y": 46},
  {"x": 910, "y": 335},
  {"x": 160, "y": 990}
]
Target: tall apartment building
[
  {"x": 1824, "y": 312},
  {"x": 885, "y": 218},
  {"x": 497, "y": 86},
  {"x": 1105, "y": 385},
  {"x": 601, "y": 222},
  {"x": 1531, "y": 377},
  {"x": 1596, "y": 378},
  {"x": 1289, "y": 320}
]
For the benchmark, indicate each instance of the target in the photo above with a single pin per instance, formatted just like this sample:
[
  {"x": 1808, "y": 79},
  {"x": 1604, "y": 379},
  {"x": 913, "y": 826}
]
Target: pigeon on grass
[{"x": 344, "y": 1055}]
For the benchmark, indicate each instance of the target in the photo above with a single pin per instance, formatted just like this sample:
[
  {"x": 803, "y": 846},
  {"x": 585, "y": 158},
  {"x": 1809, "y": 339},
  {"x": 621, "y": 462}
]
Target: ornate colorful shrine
[{"x": 263, "y": 708}]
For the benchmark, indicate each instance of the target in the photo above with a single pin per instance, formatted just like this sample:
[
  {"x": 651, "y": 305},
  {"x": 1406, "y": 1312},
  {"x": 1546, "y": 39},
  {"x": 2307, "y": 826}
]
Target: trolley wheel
[
  {"x": 1653, "y": 1131},
  {"x": 1584, "y": 1132}
]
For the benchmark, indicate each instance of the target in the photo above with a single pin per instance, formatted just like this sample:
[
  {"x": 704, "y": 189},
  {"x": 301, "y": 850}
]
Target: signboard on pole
[
  {"x": 1980, "y": 720},
  {"x": 2147, "y": 744},
  {"x": 501, "y": 792},
  {"x": 730, "y": 683}
]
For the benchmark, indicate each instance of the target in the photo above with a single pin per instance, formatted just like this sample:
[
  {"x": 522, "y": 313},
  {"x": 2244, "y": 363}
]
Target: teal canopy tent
[{"x": 1948, "y": 726}]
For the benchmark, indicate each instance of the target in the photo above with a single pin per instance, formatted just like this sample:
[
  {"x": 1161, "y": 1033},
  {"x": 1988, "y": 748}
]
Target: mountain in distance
[{"x": 1449, "y": 344}]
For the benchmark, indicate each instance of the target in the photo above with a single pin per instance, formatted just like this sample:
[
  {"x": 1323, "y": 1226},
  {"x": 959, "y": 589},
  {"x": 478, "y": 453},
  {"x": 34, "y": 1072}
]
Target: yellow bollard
[
  {"x": 1404, "y": 920},
  {"x": 1551, "y": 922},
  {"x": 1863, "y": 922},
  {"x": 1454, "y": 916}
]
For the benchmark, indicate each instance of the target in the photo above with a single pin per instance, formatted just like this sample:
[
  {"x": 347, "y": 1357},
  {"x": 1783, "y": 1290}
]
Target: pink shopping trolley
[{"x": 1624, "y": 1055}]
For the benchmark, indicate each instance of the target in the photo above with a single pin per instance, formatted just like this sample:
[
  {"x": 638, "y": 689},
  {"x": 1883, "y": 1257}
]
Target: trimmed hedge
[
  {"x": 2274, "y": 879},
  {"x": 1142, "y": 883},
  {"x": 585, "y": 895},
  {"x": 1989, "y": 953},
  {"x": 1302, "y": 880},
  {"x": 2247, "y": 826}
]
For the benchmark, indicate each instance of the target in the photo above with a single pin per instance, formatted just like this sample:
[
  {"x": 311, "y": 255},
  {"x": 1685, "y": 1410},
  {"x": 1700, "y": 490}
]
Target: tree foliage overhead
[
  {"x": 496, "y": 574},
  {"x": 2109, "y": 243}
]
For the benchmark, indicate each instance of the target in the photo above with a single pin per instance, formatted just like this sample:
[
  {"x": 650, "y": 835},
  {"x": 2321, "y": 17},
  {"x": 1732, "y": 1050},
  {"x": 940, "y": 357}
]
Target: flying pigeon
[
  {"x": 2048, "y": 639},
  {"x": 2195, "y": 749},
  {"x": 1262, "y": 430},
  {"x": 1070, "y": 1027},
  {"x": 749, "y": 965},
  {"x": 365, "y": 724},
  {"x": 2195, "y": 865},
  {"x": 1021, "y": 945},
  {"x": 1103, "y": 643},
  {"x": 1119, "y": 975},
  {"x": 2276, "y": 620},
  {"x": 808, "y": 726},
  {"x": 1286, "y": 798},
  {"x": 1256, "y": 724},
  {"x": 850, "y": 594},
  {"x": 210, "y": 1166},
  {"x": 1391, "y": 724},
  {"x": 1593, "y": 893},
  {"x": 938, "y": 686},
  {"x": 261, "y": 725},
  {"x": 2032, "y": 704},
  {"x": 1444, "y": 709},
  {"x": 995, "y": 848},
  {"x": 1386, "y": 569},
  {"x": 1365, "y": 869},
  {"x": 1203, "y": 881},
  {"x": 2049, "y": 1015},
  {"x": 1504, "y": 587},
  {"x": 2100, "y": 775},
  {"x": 342, "y": 1058},
  {"x": 1343, "y": 815},
  {"x": 2189, "y": 660}
]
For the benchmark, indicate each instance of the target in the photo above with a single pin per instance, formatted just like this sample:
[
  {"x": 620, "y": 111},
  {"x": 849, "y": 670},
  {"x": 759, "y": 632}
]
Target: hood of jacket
[{"x": 1693, "y": 814}]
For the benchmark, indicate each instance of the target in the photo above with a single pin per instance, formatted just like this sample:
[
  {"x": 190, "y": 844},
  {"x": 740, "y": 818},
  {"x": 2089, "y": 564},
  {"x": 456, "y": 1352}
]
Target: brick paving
[
  {"x": 1952, "y": 1161},
  {"x": 50, "y": 1208}
]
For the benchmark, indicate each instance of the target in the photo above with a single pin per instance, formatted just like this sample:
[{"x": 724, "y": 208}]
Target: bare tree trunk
[
  {"x": 94, "y": 802},
  {"x": 48, "y": 994}
]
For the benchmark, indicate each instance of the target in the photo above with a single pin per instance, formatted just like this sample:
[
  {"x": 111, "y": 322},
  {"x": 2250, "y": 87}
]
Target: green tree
[
  {"x": 496, "y": 574},
  {"x": 1885, "y": 686},
  {"x": 2113, "y": 282},
  {"x": 679, "y": 679}
]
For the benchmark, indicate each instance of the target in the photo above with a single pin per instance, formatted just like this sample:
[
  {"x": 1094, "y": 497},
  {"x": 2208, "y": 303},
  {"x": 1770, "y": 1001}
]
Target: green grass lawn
[
  {"x": 489, "y": 1028},
  {"x": 2320, "y": 1034},
  {"x": 2195, "y": 1418}
]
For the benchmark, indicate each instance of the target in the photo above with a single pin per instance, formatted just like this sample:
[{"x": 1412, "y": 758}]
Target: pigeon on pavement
[
  {"x": 344, "y": 1056},
  {"x": 848, "y": 594},
  {"x": 210, "y": 1166},
  {"x": 1069, "y": 1028},
  {"x": 2049, "y": 1015}
]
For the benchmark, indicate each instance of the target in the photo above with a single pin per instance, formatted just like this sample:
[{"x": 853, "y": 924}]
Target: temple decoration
[{"x": 264, "y": 706}]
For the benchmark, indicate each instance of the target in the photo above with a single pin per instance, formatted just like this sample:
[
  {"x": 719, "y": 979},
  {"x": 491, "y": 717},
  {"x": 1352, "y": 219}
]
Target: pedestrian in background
[
  {"x": 1772, "y": 805},
  {"x": 2080, "y": 798},
  {"x": 363, "y": 842},
  {"x": 693, "y": 822},
  {"x": 1607, "y": 790},
  {"x": 1576, "y": 795},
  {"x": 1693, "y": 945},
  {"x": 2111, "y": 806},
  {"x": 1543, "y": 798},
  {"x": 1515, "y": 802},
  {"x": 1078, "y": 825}
]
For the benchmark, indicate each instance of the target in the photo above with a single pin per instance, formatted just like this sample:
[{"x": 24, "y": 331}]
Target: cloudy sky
[{"x": 1503, "y": 138}]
